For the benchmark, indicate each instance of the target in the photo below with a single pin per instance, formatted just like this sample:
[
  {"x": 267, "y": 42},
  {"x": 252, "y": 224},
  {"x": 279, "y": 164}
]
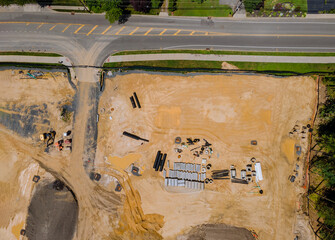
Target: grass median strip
[
  {"x": 40, "y": 54},
  {"x": 215, "y": 66},
  {"x": 311, "y": 54}
]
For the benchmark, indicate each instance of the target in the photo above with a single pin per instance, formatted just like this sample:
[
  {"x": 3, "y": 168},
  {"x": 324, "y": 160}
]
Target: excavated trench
[{"x": 52, "y": 213}]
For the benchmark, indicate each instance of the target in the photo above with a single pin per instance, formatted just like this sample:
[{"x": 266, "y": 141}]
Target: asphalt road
[{"x": 42, "y": 30}]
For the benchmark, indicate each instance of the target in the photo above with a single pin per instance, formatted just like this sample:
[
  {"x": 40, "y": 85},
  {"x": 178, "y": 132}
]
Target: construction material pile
[{"x": 188, "y": 175}]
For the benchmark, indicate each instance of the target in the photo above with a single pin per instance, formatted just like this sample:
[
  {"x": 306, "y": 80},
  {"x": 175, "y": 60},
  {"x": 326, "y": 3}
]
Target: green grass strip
[
  {"x": 169, "y": 64},
  {"x": 41, "y": 54},
  {"x": 280, "y": 69},
  {"x": 299, "y": 68},
  {"x": 311, "y": 54}
]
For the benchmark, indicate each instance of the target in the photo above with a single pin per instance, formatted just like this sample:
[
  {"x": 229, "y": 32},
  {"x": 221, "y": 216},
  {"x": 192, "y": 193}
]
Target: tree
[
  {"x": 141, "y": 5},
  {"x": 251, "y": 5},
  {"x": 113, "y": 10},
  {"x": 156, "y": 4}
]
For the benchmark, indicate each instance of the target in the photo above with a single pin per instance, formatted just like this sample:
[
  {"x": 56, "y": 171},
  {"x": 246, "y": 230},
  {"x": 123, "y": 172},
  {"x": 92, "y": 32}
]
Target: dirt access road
[{"x": 229, "y": 111}]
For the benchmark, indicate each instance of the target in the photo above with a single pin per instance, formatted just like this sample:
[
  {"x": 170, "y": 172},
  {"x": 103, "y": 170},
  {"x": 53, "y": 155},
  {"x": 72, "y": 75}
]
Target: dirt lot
[
  {"x": 228, "y": 111},
  {"x": 27, "y": 108}
]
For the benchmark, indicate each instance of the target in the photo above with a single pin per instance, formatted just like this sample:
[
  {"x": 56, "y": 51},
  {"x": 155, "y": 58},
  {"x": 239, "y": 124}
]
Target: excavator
[{"x": 48, "y": 138}]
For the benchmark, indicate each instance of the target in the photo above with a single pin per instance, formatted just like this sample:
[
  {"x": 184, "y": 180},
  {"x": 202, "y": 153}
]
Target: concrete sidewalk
[
  {"x": 223, "y": 58},
  {"x": 35, "y": 59}
]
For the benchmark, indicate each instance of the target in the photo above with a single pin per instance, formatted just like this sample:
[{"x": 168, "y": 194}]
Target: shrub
[{"x": 251, "y": 5}]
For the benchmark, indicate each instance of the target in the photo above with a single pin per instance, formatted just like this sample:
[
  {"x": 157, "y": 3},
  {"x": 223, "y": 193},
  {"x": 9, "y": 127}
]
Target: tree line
[
  {"x": 323, "y": 163},
  {"x": 115, "y": 9}
]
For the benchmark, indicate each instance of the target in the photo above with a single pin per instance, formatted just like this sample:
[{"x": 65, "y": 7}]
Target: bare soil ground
[
  {"x": 28, "y": 107},
  {"x": 228, "y": 111}
]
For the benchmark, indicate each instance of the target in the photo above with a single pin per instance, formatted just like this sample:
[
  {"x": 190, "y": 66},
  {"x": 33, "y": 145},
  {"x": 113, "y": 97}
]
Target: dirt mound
[
  {"x": 229, "y": 66},
  {"x": 217, "y": 232},
  {"x": 46, "y": 202}
]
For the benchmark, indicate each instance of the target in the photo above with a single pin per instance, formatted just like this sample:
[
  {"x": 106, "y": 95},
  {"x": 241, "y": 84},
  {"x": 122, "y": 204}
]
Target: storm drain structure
[{"x": 188, "y": 175}]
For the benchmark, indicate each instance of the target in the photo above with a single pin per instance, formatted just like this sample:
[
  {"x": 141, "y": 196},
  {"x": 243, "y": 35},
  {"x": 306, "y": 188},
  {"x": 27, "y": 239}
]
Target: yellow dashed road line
[
  {"x": 40, "y": 26},
  {"x": 103, "y": 33},
  {"x": 91, "y": 30},
  {"x": 119, "y": 31},
  {"x": 66, "y": 27},
  {"x": 79, "y": 29},
  {"x": 148, "y": 31},
  {"x": 52, "y": 27},
  {"x": 163, "y": 32},
  {"x": 177, "y": 32},
  {"x": 134, "y": 31}
]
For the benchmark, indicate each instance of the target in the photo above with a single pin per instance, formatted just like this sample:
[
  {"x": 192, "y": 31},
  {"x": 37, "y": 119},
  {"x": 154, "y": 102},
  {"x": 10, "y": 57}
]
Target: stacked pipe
[
  {"x": 133, "y": 136},
  {"x": 133, "y": 99},
  {"x": 220, "y": 174},
  {"x": 241, "y": 181},
  {"x": 159, "y": 161}
]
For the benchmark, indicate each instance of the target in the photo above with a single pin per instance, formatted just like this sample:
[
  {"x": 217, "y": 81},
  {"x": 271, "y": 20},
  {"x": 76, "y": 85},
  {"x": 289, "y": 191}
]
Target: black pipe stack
[
  {"x": 159, "y": 162},
  {"x": 157, "y": 159},
  {"x": 132, "y": 101},
  {"x": 138, "y": 102},
  {"x": 162, "y": 162}
]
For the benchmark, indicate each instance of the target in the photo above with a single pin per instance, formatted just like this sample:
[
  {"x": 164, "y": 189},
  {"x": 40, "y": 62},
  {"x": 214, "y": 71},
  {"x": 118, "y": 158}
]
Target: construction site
[
  {"x": 176, "y": 156},
  {"x": 35, "y": 112},
  {"x": 210, "y": 149}
]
